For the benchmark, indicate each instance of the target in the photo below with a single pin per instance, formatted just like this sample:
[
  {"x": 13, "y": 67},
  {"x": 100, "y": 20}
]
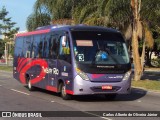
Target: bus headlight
[
  {"x": 127, "y": 75},
  {"x": 82, "y": 74}
]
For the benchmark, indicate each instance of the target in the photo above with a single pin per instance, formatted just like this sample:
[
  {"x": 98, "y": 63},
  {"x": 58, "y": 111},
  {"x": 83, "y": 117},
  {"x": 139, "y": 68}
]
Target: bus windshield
[{"x": 94, "y": 47}]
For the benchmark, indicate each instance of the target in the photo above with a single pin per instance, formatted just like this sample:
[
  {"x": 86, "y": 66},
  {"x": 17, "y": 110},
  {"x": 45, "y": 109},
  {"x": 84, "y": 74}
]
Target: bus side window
[
  {"x": 27, "y": 46},
  {"x": 19, "y": 47},
  {"x": 53, "y": 46}
]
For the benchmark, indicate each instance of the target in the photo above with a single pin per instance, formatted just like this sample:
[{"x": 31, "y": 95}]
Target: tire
[
  {"x": 29, "y": 85},
  {"x": 64, "y": 95},
  {"x": 110, "y": 96}
]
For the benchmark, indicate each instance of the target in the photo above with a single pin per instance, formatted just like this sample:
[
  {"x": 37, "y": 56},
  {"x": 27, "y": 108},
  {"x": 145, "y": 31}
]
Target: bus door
[{"x": 64, "y": 61}]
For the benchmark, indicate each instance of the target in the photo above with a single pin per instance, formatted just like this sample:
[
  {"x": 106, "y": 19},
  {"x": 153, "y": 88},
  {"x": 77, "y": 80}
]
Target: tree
[
  {"x": 7, "y": 29},
  {"x": 91, "y": 12},
  {"x": 36, "y": 20},
  {"x": 47, "y": 11},
  {"x": 136, "y": 18}
]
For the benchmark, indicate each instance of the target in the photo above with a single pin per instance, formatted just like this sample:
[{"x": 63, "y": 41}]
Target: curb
[{"x": 148, "y": 90}]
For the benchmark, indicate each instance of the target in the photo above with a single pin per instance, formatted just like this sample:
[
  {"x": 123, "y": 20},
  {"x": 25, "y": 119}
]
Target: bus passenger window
[
  {"x": 27, "y": 54},
  {"x": 40, "y": 46},
  {"x": 53, "y": 46}
]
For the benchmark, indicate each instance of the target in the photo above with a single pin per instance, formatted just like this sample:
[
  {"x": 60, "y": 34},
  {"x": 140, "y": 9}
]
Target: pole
[{"x": 5, "y": 52}]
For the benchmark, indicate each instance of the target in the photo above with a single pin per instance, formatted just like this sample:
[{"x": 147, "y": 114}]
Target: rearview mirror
[{"x": 64, "y": 41}]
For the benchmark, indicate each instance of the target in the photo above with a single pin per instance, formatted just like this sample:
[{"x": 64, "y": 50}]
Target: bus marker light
[
  {"x": 67, "y": 82},
  {"x": 107, "y": 87}
]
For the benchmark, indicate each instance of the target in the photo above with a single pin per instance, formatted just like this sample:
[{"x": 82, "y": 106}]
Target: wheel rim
[
  {"x": 29, "y": 84},
  {"x": 63, "y": 91}
]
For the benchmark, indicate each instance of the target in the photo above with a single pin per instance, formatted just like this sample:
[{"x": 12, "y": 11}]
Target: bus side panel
[
  {"x": 15, "y": 72},
  {"x": 36, "y": 69},
  {"x": 52, "y": 71},
  {"x": 20, "y": 67},
  {"x": 65, "y": 74},
  {"x": 38, "y": 72}
]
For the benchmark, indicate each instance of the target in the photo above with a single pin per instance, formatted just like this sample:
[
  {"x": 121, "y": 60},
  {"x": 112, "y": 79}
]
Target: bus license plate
[{"x": 107, "y": 87}]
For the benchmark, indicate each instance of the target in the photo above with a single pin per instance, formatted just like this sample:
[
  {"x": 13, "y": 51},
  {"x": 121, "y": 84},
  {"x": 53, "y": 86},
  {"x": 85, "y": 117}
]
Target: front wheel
[{"x": 64, "y": 95}]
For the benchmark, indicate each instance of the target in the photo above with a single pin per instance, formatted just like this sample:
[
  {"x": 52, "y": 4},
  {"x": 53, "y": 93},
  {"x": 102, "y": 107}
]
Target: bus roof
[{"x": 47, "y": 29}]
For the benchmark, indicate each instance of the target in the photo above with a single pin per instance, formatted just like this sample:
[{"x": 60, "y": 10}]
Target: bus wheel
[
  {"x": 64, "y": 95},
  {"x": 29, "y": 85},
  {"x": 110, "y": 96}
]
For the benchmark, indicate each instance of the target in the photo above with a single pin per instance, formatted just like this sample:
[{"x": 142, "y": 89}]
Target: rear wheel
[
  {"x": 64, "y": 95},
  {"x": 29, "y": 85}
]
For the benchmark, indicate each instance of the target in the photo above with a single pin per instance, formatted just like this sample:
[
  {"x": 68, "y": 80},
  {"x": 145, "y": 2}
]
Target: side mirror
[{"x": 64, "y": 39}]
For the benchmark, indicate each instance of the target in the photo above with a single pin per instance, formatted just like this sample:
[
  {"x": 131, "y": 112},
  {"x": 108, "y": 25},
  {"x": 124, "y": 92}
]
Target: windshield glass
[{"x": 105, "y": 48}]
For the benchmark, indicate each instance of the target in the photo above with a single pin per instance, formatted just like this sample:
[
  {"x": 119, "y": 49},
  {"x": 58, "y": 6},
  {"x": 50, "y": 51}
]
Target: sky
[{"x": 18, "y": 10}]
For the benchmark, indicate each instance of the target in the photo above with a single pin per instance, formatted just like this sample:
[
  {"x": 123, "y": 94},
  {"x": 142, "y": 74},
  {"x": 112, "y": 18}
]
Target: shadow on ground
[{"x": 135, "y": 94}]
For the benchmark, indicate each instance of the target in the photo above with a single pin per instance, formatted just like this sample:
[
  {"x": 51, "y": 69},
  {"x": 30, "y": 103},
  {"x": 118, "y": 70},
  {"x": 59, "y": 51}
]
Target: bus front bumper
[{"x": 86, "y": 87}]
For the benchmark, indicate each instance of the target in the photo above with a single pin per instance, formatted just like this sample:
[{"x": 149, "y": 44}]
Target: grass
[
  {"x": 6, "y": 68},
  {"x": 147, "y": 84}
]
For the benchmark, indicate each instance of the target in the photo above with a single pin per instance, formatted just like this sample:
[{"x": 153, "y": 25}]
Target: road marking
[
  {"x": 97, "y": 115},
  {"x": 139, "y": 101},
  {"x": 52, "y": 101},
  {"x": 20, "y": 92},
  {"x": 0, "y": 85}
]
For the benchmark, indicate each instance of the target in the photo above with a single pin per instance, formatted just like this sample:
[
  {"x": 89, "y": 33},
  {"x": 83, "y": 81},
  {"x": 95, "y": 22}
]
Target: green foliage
[
  {"x": 6, "y": 68},
  {"x": 6, "y": 25},
  {"x": 36, "y": 20},
  {"x": 2, "y": 43},
  {"x": 151, "y": 11},
  {"x": 7, "y": 29},
  {"x": 147, "y": 84},
  {"x": 47, "y": 11}
]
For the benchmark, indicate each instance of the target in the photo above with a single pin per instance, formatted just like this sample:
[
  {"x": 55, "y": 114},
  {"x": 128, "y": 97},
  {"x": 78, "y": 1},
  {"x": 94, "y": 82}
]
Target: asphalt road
[{"x": 15, "y": 97}]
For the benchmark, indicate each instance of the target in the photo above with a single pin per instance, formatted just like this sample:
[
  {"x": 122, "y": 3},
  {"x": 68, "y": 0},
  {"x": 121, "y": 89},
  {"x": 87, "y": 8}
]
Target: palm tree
[
  {"x": 137, "y": 16},
  {"x": 37, "y": 20},
  {"x": 50, "y": 11},
  {"x": 58, "y": 9},
  {"x": 92, "y": 13}
]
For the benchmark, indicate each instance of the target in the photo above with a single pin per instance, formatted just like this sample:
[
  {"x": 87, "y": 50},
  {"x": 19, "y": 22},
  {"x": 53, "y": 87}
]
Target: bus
[{"x": 73, "y": 60}]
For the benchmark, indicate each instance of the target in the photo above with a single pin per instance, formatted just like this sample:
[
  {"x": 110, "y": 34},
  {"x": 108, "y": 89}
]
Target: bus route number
[{"x": 81, "y": 57}]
